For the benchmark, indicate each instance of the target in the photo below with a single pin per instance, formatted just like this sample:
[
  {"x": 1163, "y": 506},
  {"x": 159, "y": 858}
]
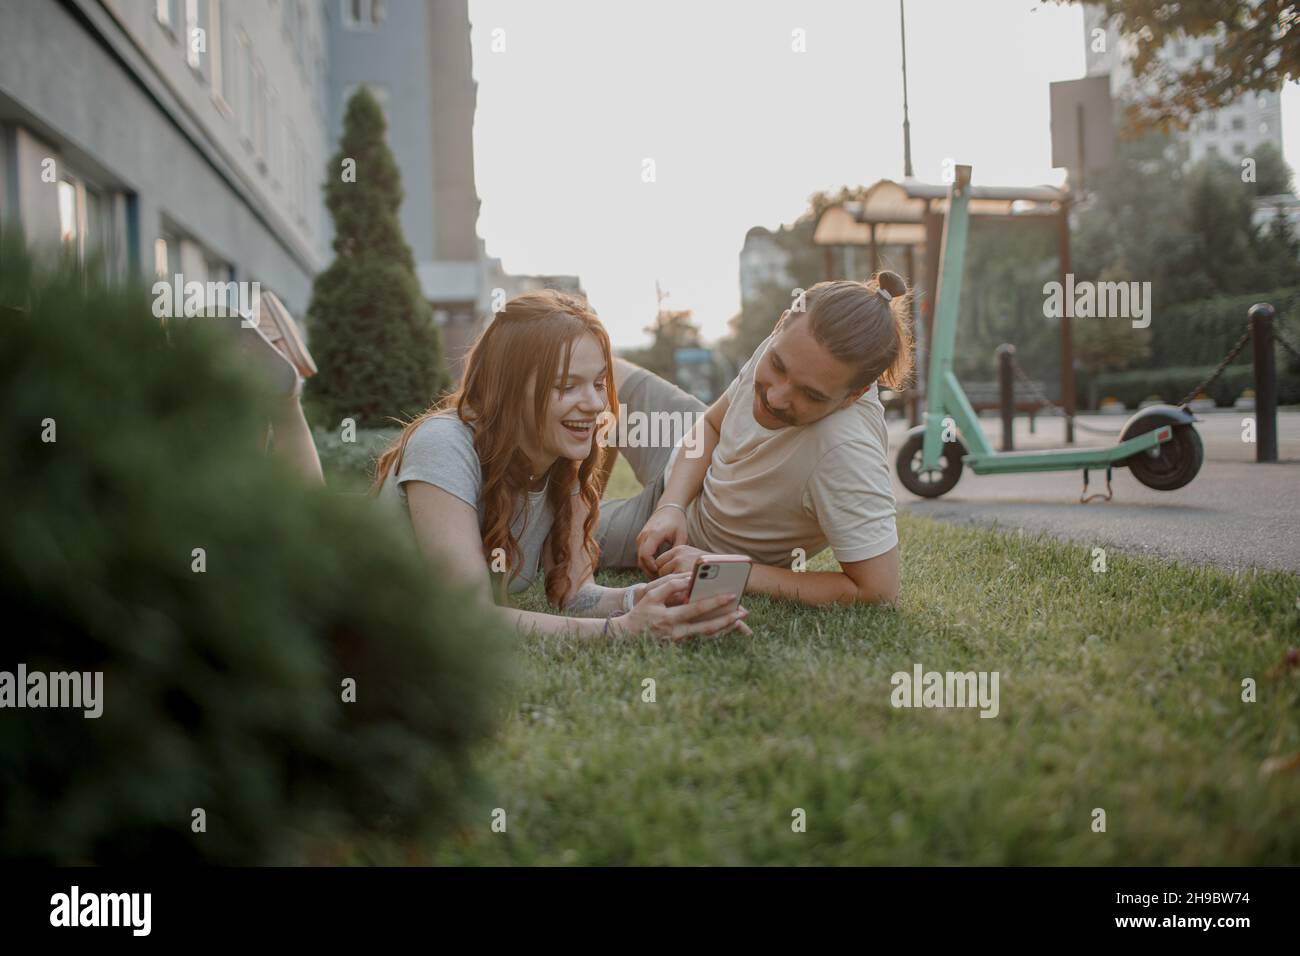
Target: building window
[
  {"x": 168, "y": 14},
  {"x": 224, "y": 292},
  {"x": 362, "y": 14},
  {"x": 290, "y": 169},
  {"x": 1211, "y": 123},
  {"x": 247, "y": 90},
  {"x": 299, "y": 180},
  {"x": 169, "y": 256},
  {"x": 274, "y": 144},
  {"x": 288, "y": 157},
  {"x": 71, "y": 223},
  {"x": 306, "y": 37},
  {"x": 1238, "y": 123},
  {"x": 197, "y": 35},
  {"x": 304, "y": 186},
  {"x": 257, "y": 111},
  {"x": 83, "y": 217},
  {"x": 216, "y": 62},
  {"x": 161, "y": 265},
  {"x": 292, "y": 166}
]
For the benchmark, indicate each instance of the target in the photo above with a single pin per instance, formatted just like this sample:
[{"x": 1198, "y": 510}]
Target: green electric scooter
[{"x": 1159, "y": 444}]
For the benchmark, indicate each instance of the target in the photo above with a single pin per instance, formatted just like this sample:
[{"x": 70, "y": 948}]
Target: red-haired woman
[{"x": 503, "y": 475}]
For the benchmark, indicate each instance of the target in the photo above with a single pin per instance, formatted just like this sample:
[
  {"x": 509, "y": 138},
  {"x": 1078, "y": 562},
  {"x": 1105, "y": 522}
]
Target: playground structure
[{"x": 911, "y": 214}]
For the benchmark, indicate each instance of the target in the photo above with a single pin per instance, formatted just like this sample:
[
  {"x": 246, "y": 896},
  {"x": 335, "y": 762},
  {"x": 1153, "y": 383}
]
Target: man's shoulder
[
  {"x": 853, "y": 452},
  {"x": 863, "y": 423}
]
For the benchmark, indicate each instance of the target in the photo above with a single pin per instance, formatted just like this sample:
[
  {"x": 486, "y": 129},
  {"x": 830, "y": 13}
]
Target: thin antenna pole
[{"x": 907, "y": 126}]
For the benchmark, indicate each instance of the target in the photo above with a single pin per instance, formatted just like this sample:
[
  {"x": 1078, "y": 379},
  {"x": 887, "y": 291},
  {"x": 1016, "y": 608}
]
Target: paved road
[{"x": 1236, "y": 514}]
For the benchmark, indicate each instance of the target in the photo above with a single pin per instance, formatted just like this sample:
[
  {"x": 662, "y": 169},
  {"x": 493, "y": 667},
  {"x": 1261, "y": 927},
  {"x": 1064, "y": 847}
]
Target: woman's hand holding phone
[{"x": 662, "y": 612}]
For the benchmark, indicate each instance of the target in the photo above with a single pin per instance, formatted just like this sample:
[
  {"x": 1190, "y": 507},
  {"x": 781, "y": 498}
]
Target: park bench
[{"x": 986, "y": 396}]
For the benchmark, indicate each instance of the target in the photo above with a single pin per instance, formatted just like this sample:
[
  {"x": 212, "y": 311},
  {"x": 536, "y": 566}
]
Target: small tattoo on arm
[{"x": 586, "y": 600}]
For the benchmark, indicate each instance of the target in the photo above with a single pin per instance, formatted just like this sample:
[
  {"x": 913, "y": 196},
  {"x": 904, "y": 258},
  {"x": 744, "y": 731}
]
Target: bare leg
[
  {"x": 293, "y": 443},
  {"x": 645, "y": 395},
  {"x": 286, "y": 436}
]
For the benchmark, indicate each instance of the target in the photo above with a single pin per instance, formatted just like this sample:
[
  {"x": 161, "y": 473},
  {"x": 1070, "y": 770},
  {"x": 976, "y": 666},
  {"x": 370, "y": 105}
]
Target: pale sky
[{"x": 741, "y": 128}]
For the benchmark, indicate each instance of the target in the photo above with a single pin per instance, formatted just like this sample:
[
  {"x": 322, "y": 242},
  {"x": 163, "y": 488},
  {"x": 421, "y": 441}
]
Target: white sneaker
[
  {"x": 272, "y": 364},
  {"x": 279, "y": 328}
]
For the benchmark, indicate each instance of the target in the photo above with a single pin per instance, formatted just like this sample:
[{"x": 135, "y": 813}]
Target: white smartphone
[{"x": 716, "y": 574}]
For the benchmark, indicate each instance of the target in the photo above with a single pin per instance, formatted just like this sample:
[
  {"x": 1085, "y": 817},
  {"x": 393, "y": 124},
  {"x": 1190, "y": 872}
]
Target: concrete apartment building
[
  {"x": 1231, "y": 133},
  {"x": 762, "y": 260},
  {"x": 192, "y": 136},
  {"x": 177, "y": 151}
]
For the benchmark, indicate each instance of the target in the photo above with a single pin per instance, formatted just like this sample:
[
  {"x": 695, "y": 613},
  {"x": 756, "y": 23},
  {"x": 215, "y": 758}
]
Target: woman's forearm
[
  {"x": 536, "y": 622},
  {"x": 593, "y": 600}
]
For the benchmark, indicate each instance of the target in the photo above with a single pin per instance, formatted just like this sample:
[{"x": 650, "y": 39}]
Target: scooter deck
[{"x": 1071, "y": 459}]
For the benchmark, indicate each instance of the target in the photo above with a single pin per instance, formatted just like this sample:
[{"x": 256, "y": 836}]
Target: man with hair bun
[{"x": 794, "y": 455}]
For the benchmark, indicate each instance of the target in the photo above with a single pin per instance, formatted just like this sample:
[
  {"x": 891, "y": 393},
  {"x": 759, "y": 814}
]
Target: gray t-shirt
[{"x": 441, "y": 452}]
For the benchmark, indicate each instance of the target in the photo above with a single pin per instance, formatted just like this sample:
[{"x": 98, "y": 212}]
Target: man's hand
[
  {"x": 680, "y": 558},
  {"x": 667, "y": 526}
]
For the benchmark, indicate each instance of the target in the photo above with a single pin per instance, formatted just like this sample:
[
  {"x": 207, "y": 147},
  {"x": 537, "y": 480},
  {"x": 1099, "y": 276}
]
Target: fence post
[
  {"x": 1006, "y": 395},
  {"x": 1261, "y": 332}
]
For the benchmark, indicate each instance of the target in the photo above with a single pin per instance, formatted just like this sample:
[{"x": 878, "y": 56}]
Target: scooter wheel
[
  {"x": 1169, "y": 465},
  {"x": 936, "y": 481}
]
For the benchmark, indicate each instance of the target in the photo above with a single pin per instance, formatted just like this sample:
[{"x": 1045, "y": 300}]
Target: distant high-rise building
[
  {"x": 762, "y": 260},
  {"x": 1231, "y": 133},
  {"x": 415, "y": 58},
  {"x": 497, "y": 287}
]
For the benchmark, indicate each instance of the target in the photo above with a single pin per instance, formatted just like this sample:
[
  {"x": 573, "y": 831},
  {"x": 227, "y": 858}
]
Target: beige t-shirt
[{"x": 768, "y": 491}]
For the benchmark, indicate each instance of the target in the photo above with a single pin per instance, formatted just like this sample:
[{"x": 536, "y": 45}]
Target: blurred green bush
[
  {"x": 1201, "y": 332},
  {"x": 350, "y": 465},
  {"x": 222, "y": 689},
  {"x": 1189, "y": 340},
  {"x": 1171, "y": 384}
]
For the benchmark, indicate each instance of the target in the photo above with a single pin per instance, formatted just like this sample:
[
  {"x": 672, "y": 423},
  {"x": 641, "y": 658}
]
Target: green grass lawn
[{"x": 1118, "y": 690}]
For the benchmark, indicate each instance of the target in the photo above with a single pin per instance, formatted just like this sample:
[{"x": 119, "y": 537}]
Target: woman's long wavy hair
[{"x": 531, "y": 338}]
